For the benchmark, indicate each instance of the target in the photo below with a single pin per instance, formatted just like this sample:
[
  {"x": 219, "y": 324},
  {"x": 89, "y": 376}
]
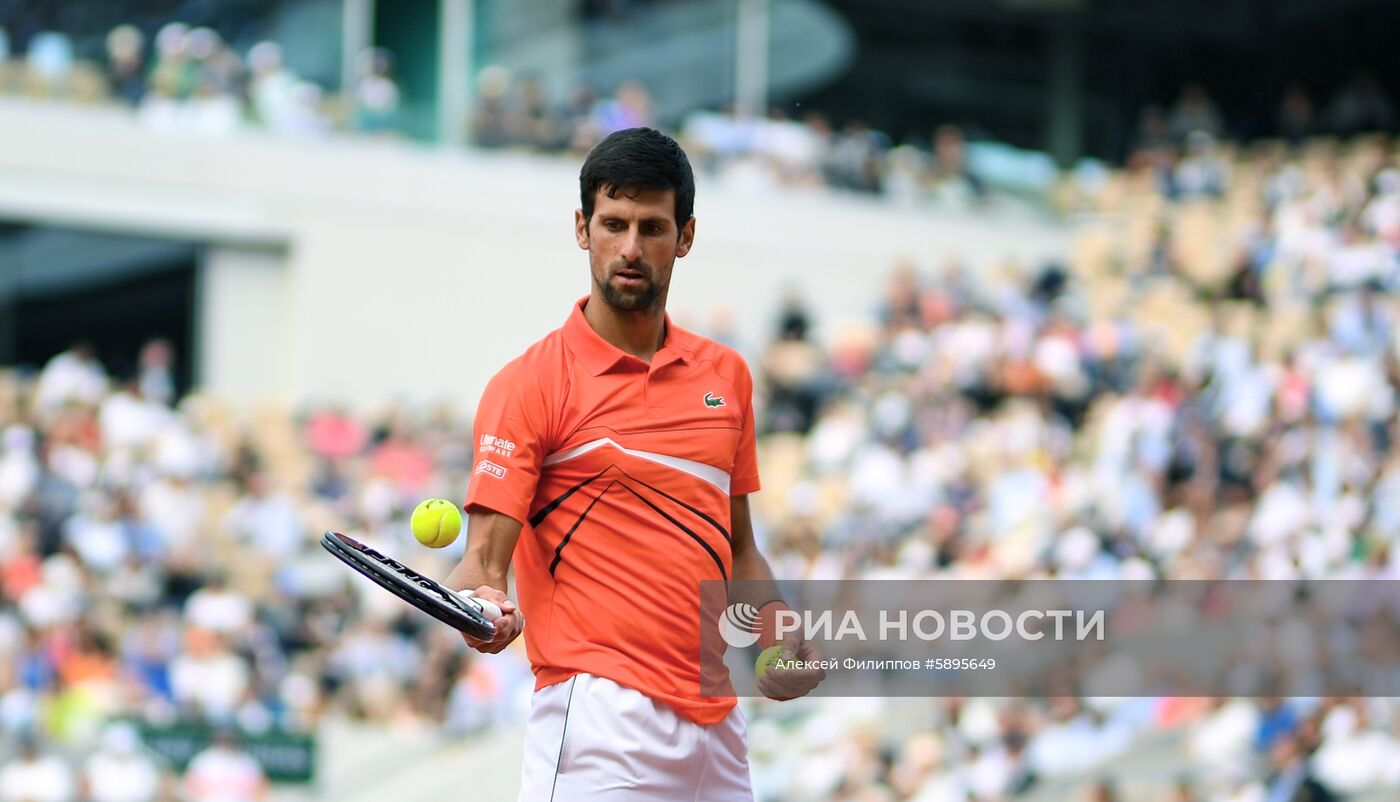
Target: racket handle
[{"x": 488, "y": 608}]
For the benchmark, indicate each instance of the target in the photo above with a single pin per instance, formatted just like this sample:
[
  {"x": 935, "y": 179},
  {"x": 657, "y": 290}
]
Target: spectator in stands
[
  {"x": 210, "y": 110},
  {"x": 1194, "y": 111},
  {"x": 491, "y": 117},
  {"x": 33, "y": 776},
  {"x": 119, "y": 771},
  {"x": 1152, "y": 150},
  {"x": 792, "y": 149},
  {"x": 174, "y": 73},
  {"x": 1104, "y": 791},
  {"x": 209, "y": 680},
  {"x": 49, "y": 62},
  {"x": 126, "y": 63},
  {"x": 172, "y": 80},
  {"x": 856, "y": 158},
  {"x": 376, "y": 93},
  {"x": 74, "y": 376},
  {"x": 1292, "y": 778},
  {"x": 578, "y": 117},
  {"x": 792, "y": 371},
  {"x": 951, "y": 174},
  {"x": 1296, "y": 119},
  {"x": 266, "y": 520},
  {"x": 218, "y": 67},
  {"x": 224, "y": 772},
  {"x": 306, "y": 119},
  {"x": 629, "y": 107},
  {"x": 1185, "y": 791},
  {"x": 1362, "y": 105},
  {"x": 156, "y": 365},
  {"x": 1201, "y": 172},
  {"x": 217, "y": 608},
  {"x": 535, "y": 122},
  {"x": 272, "y": 87}
]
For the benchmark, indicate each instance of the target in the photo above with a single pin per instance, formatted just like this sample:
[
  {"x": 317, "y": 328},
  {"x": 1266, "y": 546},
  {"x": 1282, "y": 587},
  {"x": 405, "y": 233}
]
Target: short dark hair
[{"x": 634, "y": 159}]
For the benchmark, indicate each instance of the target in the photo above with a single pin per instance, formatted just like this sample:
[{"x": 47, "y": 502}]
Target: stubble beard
[{"x": 645, "y": 299}]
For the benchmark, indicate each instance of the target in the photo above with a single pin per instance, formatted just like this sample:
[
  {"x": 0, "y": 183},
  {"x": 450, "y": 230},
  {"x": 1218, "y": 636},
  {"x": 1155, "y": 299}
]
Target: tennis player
[{"x": 614, "y": 459}]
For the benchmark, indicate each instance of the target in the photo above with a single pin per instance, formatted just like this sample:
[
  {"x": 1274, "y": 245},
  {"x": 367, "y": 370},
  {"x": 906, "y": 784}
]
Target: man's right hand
[
  {"x": 508, "y": 626},
  {"x": 484, "y": 569}
]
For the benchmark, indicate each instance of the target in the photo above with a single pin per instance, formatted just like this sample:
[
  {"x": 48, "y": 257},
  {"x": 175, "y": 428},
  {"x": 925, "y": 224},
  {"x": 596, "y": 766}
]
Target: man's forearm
[
  {"x": 757, "y": 586},
  {"x": 754, "y": 584},
  {"x": 750, "y": 564},
  {"x": 491, "y": 539},
  {"x": 754, "y": 578},
  {"x": 472, "y": 572}
]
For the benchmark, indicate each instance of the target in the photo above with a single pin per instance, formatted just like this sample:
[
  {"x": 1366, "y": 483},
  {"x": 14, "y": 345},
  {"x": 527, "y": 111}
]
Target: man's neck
[{"x": 640, "y": 334}]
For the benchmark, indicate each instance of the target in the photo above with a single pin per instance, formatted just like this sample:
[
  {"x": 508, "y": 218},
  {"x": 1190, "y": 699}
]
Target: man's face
[{"x": 632, "y": 242}]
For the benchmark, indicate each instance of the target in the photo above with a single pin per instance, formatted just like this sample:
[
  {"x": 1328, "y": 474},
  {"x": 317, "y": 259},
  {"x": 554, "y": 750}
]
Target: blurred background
[{"x": 1032, "y": 288}]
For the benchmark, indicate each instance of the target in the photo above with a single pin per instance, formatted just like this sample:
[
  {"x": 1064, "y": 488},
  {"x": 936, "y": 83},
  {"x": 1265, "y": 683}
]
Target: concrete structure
[{"x": 363, "y": 271}]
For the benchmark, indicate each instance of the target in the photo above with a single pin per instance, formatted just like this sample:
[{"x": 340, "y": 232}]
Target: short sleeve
[
  {"x": 744, "y": 479},
  {"x": 508, "y": 443}
]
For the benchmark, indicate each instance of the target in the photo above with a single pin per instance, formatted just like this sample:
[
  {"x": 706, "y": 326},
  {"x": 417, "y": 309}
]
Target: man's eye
[{"x": 614, "y": 225}]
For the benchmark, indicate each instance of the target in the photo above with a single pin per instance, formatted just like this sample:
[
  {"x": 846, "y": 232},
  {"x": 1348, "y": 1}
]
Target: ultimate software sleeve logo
[{"x": 739, "y": 625}]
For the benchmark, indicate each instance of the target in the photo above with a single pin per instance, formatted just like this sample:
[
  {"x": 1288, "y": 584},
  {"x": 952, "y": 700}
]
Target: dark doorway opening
[
  {"x": 116, "y": 319},
  {"x": 116, "y": 293}
]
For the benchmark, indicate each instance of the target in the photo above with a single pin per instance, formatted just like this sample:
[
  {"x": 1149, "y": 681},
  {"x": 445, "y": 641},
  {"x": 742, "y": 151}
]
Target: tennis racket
[{"x": 464, "y": 612}]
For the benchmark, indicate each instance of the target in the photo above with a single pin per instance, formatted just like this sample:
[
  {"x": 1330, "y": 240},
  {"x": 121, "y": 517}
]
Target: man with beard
[{"x": 614, "y": 459}]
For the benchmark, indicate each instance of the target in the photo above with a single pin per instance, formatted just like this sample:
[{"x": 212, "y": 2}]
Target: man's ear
[
  {"x": 581, "y": 229},
  {"x": 687, "y": 238}
]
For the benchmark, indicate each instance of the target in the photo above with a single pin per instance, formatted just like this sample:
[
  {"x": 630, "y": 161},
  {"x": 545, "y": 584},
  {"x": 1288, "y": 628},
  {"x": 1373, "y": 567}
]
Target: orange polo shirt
[{"x": 621, "y": 473}]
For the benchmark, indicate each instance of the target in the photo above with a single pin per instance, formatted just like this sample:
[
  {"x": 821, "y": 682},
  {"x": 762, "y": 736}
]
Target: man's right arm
[{"x": 491, "y": 538}]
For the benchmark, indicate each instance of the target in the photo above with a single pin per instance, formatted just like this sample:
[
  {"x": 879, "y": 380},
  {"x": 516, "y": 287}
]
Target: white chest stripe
[{"x": 699, "y": 470}]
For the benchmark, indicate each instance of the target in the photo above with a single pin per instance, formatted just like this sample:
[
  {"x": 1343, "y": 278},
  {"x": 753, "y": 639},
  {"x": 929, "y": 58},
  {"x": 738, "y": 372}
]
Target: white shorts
[{"x": 589, "y": 739}]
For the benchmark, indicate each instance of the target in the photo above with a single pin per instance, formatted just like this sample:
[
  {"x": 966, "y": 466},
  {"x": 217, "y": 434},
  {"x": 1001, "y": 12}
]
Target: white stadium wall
[
  {"x": 366, "y": 271},
  {"x": 245, "y": 351}
]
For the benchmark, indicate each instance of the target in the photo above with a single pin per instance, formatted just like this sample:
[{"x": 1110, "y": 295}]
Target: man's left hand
[{"x": 789, "y": 683}]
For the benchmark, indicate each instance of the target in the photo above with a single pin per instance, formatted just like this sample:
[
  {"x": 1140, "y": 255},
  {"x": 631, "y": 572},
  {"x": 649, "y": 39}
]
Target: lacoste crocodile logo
[{"x": 712, "y": 400}]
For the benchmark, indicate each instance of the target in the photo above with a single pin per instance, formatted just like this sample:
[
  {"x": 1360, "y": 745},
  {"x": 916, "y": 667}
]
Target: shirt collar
[{"x": 599, "y": 356}]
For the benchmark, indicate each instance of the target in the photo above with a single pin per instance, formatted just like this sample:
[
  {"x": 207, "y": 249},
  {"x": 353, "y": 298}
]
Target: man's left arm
[
  {"x": 749, "y": 563},
  {"x": 760, "y": 589}
]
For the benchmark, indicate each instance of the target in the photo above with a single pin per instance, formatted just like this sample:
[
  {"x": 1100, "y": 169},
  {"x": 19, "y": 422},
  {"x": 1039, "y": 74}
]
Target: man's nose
[{"x": 632, "y": 245}]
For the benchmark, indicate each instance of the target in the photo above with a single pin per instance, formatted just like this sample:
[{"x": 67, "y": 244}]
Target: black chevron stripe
[
  {"x": 568, "y": 536},
  {"x": 559, "y": 550},
  {"x": 706, "y": 546},
  {"x": 698, "y": 513},
  {"x": 551, "y": 506}
]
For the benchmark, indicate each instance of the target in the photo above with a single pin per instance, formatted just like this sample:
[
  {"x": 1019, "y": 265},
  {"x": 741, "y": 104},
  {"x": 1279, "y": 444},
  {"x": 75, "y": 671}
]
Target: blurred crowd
[
  {"x": 158, "y": 564},
  {"x": 944, "y": 169},
  {"x": 191, "y": 79},
  {"x": 518, "y": 111},
  {"x": 1359, "y": 105},
  {"x": 1187, "y": 147},
  {"x": 185, "y": 78},
  {"x": 1207, "y": 389}
]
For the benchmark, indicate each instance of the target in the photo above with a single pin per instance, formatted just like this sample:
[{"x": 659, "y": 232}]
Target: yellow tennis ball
[
  {"x": 436, "y": 522},
  {"x": 768, "y": 658}
]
